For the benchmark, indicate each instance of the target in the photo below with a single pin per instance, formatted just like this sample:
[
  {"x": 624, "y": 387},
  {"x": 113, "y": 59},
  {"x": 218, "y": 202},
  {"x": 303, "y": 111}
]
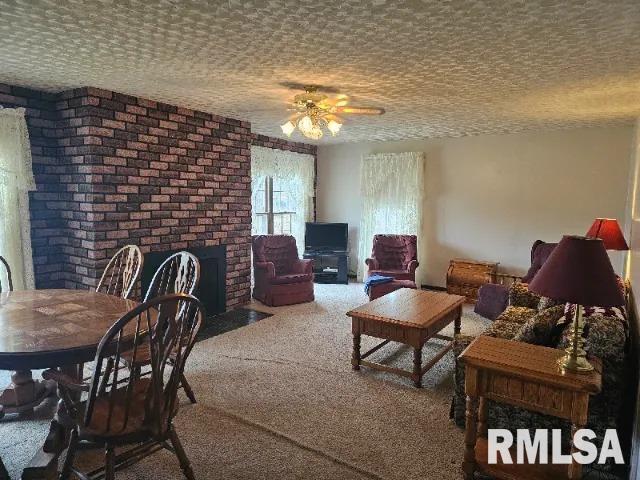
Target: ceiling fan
[{"x": 314, "y": 109}]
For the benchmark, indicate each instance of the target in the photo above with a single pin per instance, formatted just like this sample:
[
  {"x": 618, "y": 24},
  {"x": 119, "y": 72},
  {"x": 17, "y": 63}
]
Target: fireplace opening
[{"x": 212, "y": 289}]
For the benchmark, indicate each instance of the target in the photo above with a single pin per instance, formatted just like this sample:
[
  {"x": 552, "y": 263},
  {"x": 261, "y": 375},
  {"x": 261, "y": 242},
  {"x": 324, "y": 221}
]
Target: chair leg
[
  {"x": 105, "y": 376},
  {"x": 4, "y": 475},
  {"x": 187, "y": 388},
  {"x": 71, "y": 452},
  {"x": 180, "y": 453},
  {"x": 110, "y": 463}
]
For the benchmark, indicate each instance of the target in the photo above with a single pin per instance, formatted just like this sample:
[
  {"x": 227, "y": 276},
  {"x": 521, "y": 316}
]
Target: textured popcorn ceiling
[{"x": 439, "y": 68}]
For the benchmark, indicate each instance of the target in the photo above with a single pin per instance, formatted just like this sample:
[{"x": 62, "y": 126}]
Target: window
[
  {"x": 281, "y": 192},
  {"x": 275, "y": 212},
  {"x": 392, "y": 196},
  {"x": 16, "y": 180}
]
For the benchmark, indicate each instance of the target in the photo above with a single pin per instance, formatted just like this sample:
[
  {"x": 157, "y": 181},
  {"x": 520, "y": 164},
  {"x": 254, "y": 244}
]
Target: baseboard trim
[{"x": 433, "y": 287}]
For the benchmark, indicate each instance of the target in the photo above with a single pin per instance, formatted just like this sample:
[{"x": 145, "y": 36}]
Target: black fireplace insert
[{"x": 212, "y": 290}]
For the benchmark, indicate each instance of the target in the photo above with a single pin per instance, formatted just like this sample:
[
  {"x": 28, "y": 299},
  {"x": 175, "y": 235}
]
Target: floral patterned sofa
[{"x": 532, "y": 319}]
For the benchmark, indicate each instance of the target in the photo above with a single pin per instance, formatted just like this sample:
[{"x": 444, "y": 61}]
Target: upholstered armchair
[
  {"x": 280, "y": 277},
  {"x": 394, "y": 256}
]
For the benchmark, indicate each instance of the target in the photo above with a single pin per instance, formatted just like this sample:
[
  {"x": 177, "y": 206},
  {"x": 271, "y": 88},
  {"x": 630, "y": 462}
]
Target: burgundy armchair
[
  {"x": 394, "y": 256},
  {"x": 280, "y": 277}
]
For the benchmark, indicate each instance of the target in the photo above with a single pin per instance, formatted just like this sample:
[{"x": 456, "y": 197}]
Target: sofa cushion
[
  {"x": 292, "y": 278},
  {"x": 539, "y": 328},
  {"x": 506, "y": 330},
  {"x": 546, "y": 302},
  {"x": 492, "y": 300},
  {"x": 521, "y": 296}
]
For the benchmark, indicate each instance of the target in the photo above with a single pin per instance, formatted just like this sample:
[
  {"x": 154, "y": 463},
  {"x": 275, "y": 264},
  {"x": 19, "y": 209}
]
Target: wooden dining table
[{"x": 45, "y": 329}]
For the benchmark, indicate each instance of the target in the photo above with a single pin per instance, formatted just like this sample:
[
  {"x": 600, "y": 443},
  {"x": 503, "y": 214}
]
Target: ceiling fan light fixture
[
  {"x": 288, "y": 128},
  {"x": 334, "y": 127},
  {"x": 305, "y": 124},
  {"x": 316, "y": 112},
  {"x": 314, "y": 134}
]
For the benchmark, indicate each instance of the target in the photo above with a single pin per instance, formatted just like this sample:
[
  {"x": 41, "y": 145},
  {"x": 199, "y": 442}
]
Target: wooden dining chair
[
  {"x": 129, "y": 410},
  {"x": 7, "y": 271},
  {"x": 180, "y": 273},
  {"x": 122, "y": 272},
  {"x": 4, "y": 475}
]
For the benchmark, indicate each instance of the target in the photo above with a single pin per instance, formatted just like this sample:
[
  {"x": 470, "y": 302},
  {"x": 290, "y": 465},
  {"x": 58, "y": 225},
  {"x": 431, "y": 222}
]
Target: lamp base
[{"x": 575, "y": 364}]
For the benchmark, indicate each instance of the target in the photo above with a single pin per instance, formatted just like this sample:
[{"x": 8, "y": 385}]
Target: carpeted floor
[{"x": 277, "y": 399}]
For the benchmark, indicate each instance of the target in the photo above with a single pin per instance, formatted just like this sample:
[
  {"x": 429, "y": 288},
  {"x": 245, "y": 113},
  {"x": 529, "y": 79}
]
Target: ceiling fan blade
[
  {"x": 303, "y": 86},
  {"x": 333, "y": 117},
  {"x": 360, "y": 110},
  {"x": 340, "y": 100}
]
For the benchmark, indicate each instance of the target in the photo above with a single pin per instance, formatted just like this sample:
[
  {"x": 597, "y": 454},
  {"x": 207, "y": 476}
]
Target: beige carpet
[{"x": 278, "y": 400}]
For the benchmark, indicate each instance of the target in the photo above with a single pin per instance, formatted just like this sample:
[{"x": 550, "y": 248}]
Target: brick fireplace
[
  {"x": 163, "y": 177},
  {"x": 113, "y": 169}
]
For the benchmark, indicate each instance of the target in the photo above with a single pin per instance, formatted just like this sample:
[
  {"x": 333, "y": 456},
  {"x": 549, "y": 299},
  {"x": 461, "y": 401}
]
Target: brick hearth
[{"x": 113, "y": 169}]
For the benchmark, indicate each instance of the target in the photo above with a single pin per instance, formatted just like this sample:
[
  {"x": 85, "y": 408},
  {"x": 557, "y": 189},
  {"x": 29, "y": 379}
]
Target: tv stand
[{"x": 329, "y": 266}]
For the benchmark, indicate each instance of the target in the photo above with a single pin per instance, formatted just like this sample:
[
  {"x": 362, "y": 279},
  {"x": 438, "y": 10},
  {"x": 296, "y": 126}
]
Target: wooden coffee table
[{"x": 407, "y": 316}]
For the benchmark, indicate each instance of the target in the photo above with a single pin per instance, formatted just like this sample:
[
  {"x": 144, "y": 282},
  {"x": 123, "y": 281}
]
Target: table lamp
[
  {"x": 609, "y": 231},
  {"x": 578, "y": 271}
]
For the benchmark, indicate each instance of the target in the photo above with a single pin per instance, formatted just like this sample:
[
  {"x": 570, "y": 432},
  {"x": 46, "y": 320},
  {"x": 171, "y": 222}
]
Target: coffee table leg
[
  {"x": 355, "y": 358},
  {"x": 457, "y": 323},
  {"x": 417, "y": 367}
]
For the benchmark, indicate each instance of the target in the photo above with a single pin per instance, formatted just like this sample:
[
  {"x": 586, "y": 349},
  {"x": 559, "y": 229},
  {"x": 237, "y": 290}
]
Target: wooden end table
[
  {"x": 407, "y": 316},
  {"x": 525, "y": 376}
]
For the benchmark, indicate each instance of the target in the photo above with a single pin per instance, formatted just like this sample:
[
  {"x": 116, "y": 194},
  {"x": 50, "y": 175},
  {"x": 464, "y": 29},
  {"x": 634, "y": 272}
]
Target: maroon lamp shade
[
  {"x": 609, "y": 231},
  {"x": 579, "y": 271}
]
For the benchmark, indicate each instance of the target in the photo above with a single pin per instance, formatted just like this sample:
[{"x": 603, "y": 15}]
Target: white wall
[
  {"x": 489, "y": 197},
  {"x": 633, "y": 274}
]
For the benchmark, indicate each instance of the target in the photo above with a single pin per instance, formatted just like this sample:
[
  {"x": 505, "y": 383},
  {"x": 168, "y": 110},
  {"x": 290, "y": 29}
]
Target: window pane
[
  {"x": 259, "y": 226},
  {"x": 259, "y": 206}
]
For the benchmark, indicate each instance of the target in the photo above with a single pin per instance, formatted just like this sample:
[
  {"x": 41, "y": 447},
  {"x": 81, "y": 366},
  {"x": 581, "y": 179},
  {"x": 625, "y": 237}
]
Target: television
[{"x": 326, "y": 236}]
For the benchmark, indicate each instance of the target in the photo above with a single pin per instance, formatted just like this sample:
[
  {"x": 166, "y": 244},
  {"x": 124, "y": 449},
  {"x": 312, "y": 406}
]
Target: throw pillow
[
  {"x": 617, "y": 312},
  {"x": 517, "y": 315},
  {"x": 492, "y": 300},
  {"x": 520, "y": 296},
  {"x": 538, "y": 329},
  {"x": 605, "y": 337},
  {"x": 506, "y": 330}
]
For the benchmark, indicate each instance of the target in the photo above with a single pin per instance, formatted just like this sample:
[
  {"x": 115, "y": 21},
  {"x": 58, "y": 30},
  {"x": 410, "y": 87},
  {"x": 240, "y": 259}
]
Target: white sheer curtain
[
  {"x": 293, "y": 173},
  {"x": 16, "y": 180},
  {"x": 392, "y": 198}
]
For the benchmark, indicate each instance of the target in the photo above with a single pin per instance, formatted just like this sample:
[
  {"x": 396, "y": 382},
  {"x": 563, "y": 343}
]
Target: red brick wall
[
  {"x": 158, "y": 176},
  {"x": 280, "y": 144},
  {"x": 113, "y": 169},
  {"x": 128, "y": 170}
]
